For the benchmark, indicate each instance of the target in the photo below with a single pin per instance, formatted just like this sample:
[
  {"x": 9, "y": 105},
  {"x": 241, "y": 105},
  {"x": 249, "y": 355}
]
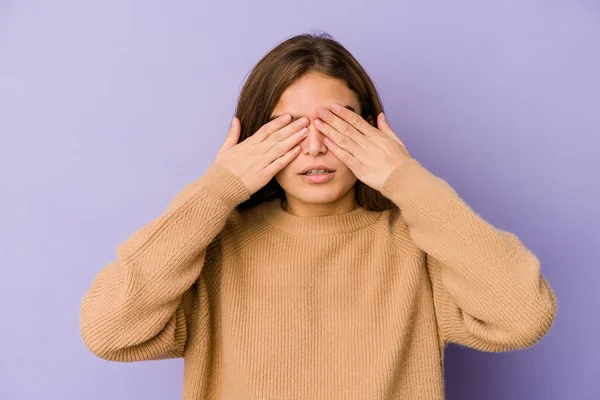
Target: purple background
[{"x": 107, "y": 109}]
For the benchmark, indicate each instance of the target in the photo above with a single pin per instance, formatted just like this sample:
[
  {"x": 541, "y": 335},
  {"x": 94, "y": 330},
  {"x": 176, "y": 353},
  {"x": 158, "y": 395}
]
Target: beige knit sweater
[{"x": 263, "y": 304}]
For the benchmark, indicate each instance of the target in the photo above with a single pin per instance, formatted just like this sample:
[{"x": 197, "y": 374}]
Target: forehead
[{"x": 312, "y": 91}]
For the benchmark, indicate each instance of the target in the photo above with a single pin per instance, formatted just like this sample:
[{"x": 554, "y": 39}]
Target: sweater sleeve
[
  {"x": 139, "y": 306},
  {"x": 488, "y": 291}
]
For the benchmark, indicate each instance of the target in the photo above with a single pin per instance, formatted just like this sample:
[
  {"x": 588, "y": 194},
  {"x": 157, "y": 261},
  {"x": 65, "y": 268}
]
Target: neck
[
  {"x": 317, "y": 219},
  {"x": 300, "y": 208}
]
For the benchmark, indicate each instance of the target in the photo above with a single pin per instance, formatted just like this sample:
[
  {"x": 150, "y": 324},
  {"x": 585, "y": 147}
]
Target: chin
[{"x": 316, "y": 193}]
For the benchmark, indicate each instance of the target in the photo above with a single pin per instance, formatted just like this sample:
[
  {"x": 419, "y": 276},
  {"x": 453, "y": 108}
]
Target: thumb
[
  {"x": 384, "y": 126},
  {"x": 233, "y": 135}
]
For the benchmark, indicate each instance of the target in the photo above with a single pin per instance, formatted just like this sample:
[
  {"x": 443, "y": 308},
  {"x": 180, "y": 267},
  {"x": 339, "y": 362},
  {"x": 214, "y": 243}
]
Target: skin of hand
[
  {"x": 370, "y": 153},
  {"x": 259, "y": 157}
]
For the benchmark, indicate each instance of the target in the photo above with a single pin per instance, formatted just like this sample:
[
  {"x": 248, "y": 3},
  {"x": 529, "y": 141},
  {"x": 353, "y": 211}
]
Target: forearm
[
  {"x": 135, "y": 299},
  {"x": 486, "y": 282}
]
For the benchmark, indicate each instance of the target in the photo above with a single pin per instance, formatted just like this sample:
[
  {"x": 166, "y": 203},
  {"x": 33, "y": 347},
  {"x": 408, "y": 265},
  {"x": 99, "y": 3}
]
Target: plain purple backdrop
[{"x": 107, "y": 109}]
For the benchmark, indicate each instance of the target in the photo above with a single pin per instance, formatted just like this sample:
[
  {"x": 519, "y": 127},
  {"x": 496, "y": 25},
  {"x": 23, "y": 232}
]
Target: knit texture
[{"x": 263, "y": 304}]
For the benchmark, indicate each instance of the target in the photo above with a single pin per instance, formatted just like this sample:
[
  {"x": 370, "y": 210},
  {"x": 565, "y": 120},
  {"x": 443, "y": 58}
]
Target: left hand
[{"x": 371, "y": 153}]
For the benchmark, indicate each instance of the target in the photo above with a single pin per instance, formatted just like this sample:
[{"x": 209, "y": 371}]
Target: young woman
[{"x": 315, "y": 259}]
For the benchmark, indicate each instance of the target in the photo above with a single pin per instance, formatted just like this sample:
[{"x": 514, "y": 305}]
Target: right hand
[{"x": 261, "y": 156}]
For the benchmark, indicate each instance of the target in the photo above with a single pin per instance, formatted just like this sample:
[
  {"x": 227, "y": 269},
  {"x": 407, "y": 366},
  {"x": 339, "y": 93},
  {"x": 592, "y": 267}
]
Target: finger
[
  {"x": 344, "y": 156},
  {"x": 233, "y": 135},
  {"x": 280, "y": 148},
  {"x": 340, "y": 128},
  {"x": 385, "y": 128},
  {"x": 285, "y": 132},
  {"x": 272, "y": 126},
  {"x": 353, "y": 119},
  {"x": 341, "y": 140},
  {"x": 279, "y": 163}
]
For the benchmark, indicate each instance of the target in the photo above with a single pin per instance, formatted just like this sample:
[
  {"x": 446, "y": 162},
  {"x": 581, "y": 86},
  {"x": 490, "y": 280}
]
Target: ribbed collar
[{"x": 350, "y": 221}]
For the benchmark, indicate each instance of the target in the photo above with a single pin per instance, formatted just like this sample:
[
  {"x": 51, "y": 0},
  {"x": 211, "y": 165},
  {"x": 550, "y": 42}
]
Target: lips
[
  {"x": 328, "y": 171},
  {"x": 309, "y": 167}
]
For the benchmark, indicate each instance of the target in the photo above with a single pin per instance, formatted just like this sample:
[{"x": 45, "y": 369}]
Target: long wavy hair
[{"x": 282, "y": 66}]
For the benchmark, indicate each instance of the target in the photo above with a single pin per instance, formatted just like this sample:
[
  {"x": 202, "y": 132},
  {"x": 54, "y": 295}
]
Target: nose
[{"x": 313, "y": 144}]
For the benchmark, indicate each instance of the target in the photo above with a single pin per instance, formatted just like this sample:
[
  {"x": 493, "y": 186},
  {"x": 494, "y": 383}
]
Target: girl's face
[{"x": 302, "y": 99}]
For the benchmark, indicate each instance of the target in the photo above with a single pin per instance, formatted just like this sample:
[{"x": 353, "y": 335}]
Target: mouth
[
  {"x": 318, "y": 177},
  {"x": 319, "y": 172}
]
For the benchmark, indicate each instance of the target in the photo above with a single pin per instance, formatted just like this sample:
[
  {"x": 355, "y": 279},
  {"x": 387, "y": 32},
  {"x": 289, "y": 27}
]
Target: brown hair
[{"x": 283, "y": 65}]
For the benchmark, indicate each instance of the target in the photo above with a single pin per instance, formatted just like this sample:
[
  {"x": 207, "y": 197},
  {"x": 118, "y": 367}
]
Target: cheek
[
  {"x": 346, "y": 176},
  {"x": 345, "y": 171},
  {"x": 283, "y": 173},
  {"x": 284, "y": 176}
]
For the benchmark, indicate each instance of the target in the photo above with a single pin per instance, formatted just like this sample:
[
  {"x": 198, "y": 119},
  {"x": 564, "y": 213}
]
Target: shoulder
[
  {"x": 392, "y": 226},
  {"x": 241, "y": 227}
]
